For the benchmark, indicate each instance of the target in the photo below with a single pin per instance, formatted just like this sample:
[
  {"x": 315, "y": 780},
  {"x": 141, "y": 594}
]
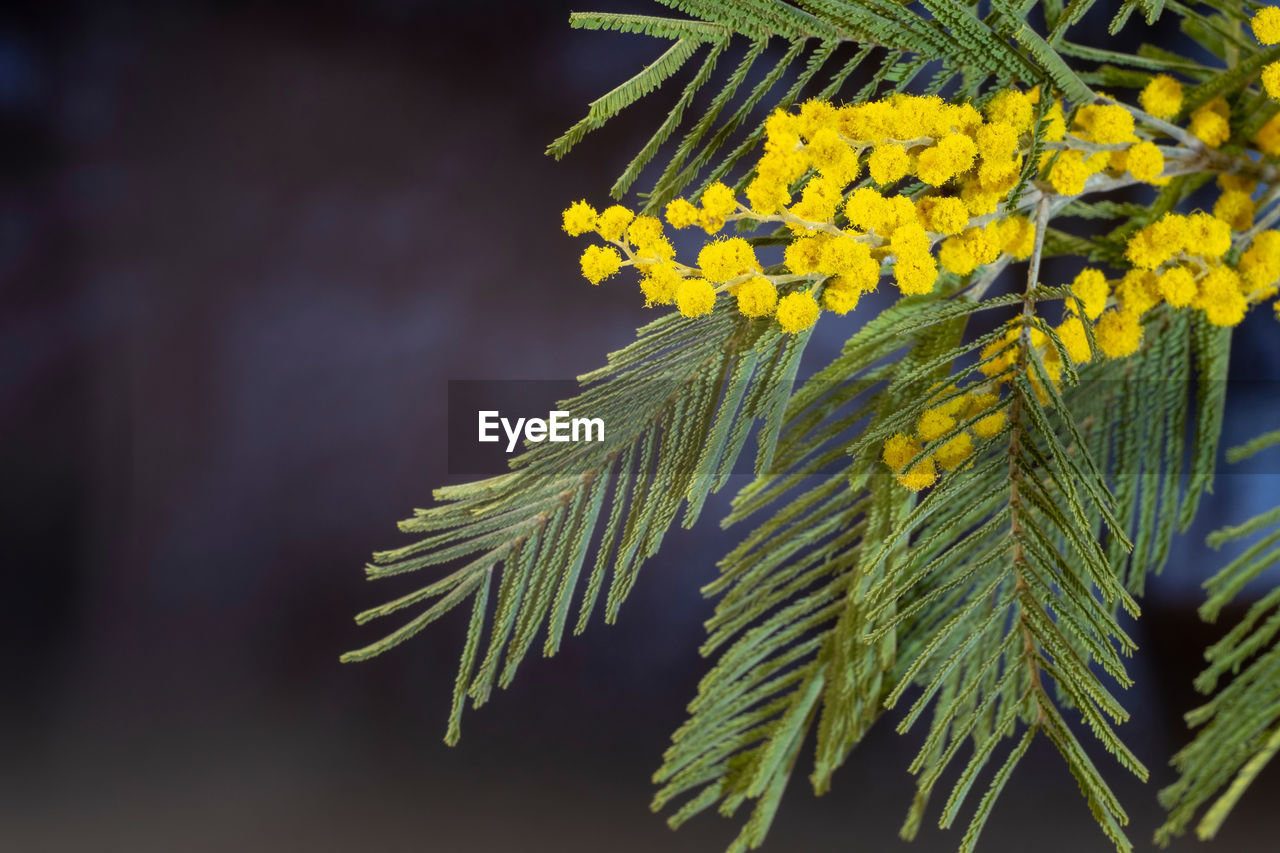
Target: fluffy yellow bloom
[
  {"x": 866, "y": 209},
  {"x": 842, "y": 254},
  {"x": 659, "y": 284},
  {"x": 1266, "y": 25},
  {"x": 1018, "y": 236},
  {"x": 1106, "y": 124},
  {"x": 922, "y": 476},
  {"x": 946, "y": 215},
  {"x": 695, "y": 297},
  {"x": 599, "y": 262},
  {"x": 934, "y": 423},
  {"x": 840, "y": 298},
  {"x": 1055, "y": 123},
  {"x": 984, "y": 243},
  {"x": 1268, "y": 137},
  {"x": 801, "y": 254},
  {"x": 954, "y": 256},
  {"x": 1271, "y": 79},
  {"x": 797, "y": 311},
  {"x": 915, "y": 273},
  {"x": 1091, "y": 290},
  {"x": 953, "y": 155},
  {"x": 1207, "y": 236},
  {"x": 1235, "y": 207},
  {"x": 1162, "y": 97},
  {"x": 1260, "y": 264},
  {"x": 612, "y": 222},
  {"x": 757, "y": 297},
  {"x": 1069, "y": 173},
  {"x": 888, "y": 163},
  {"x": 681, "y": 213},
  {"x": 645, "y": 232},
  {"x": 989, "y": 426},
  {"x": 727, "y": 259},
  {"x": 1220, "y": 297},
  {"x": 1013, "y": 108},
  {"x": 898, "y": 451},
  {"x": 767, "y": 196},
  {"x": 1138, "y": 292},
  {"x": 1119, "y": 334},
  {"x": 1177, "y": 285},
  {"x": 1073, "y": 336},
  {"x": 718, "y": 201},
  {"x": 1210, "y": 123},
  {"x": 952, "y": 454},
  {"x": 1144, "y": 161},
  {"x": 579, "y": 218}
]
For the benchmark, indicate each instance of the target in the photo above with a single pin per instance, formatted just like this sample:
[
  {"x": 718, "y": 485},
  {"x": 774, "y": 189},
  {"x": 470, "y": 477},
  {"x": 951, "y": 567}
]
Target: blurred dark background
[{"x": 243, "y": 248}]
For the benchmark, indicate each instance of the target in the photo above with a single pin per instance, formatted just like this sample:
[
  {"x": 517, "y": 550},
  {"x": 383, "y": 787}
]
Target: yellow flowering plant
[{"x": 961, "y": 505}]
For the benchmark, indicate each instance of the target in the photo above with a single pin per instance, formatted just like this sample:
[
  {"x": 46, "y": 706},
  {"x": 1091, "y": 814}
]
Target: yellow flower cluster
[
  {"x": 842, "y": 237},
  {"x": 1266, "y": 28},
  {"x": 937, "y": 422}
]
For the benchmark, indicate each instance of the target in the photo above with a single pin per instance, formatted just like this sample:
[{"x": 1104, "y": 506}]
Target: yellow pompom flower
[
  {"x": 1074, "y": 339},
  {"x": 727, "y": 259},
  {"x": 797, "y": 312},
  {"x": 1220, "y": 297},
  {"x": 681, "y": 213},
  {"x": 1144, "y": 161},
  {"x": 1266, "y": 25},
  {"x": 695, "y": 297},
  {"x": 898, "y": 451},
  {"x": 1210, "y": 123},
  {"x": 953, "y": 454},
  {"x": 1260, "y": 263},
  {"x": 866, "y": 209},
  {"x": 659, "y": 284},
  {"x": 1271, "y": 79},
  {"x": 888, "y": 163},
  {"x": 802, "y": 254},
  {"x": 599, "y": 262},
  {"x": 1069, "y": 173},
  {"x": 613, "y": 221},
  {"x": 934, "y": 423},
  {"x": 757, "y": 297},
  {"x": 841, "y": 255},
  {"x": 646, "y": 233},
  {"x": 989, "y": 426},
  {"x": 946, "y": 215},
  {"x": 1206, "y": 235},
  {"x": 915, "y": 273},
  {"x": 839, "y": 297},
  {"x": 1138, "y": 292},
  {"x": 1091, "y": 290},
  {"x": 984, "y": 243},
  {"x": 1013, "y": 108},
  {"x": 579, "y": 218},
  {"x": 1162, "y": 97},
  {"x": 1235, "y": 207},
  {"x": 922, "y": 476},
  {"x": 1268, "y": 137},
  {"x": 952, "y": 155},
  {"x": 1177, "y": 285},
  {"x": 718, "y": 201},
  {"x": 1119, "y": 334},
  {"x": 1055, "y": 123},
  {"x": 1018, "y": 236},
  {"x": 955, "y": 257},
  {"x": 1106, "y": 124}
]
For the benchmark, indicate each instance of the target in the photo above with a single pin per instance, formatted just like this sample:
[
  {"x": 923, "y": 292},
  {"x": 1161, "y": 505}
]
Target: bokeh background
[{"x": 243, "y": 249}]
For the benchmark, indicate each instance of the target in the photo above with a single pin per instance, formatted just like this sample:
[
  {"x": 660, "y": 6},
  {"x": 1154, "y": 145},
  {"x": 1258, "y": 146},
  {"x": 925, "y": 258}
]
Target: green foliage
[
  {"x": 988, "y": 611},
  {"x": 1240, "y": 726}
]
